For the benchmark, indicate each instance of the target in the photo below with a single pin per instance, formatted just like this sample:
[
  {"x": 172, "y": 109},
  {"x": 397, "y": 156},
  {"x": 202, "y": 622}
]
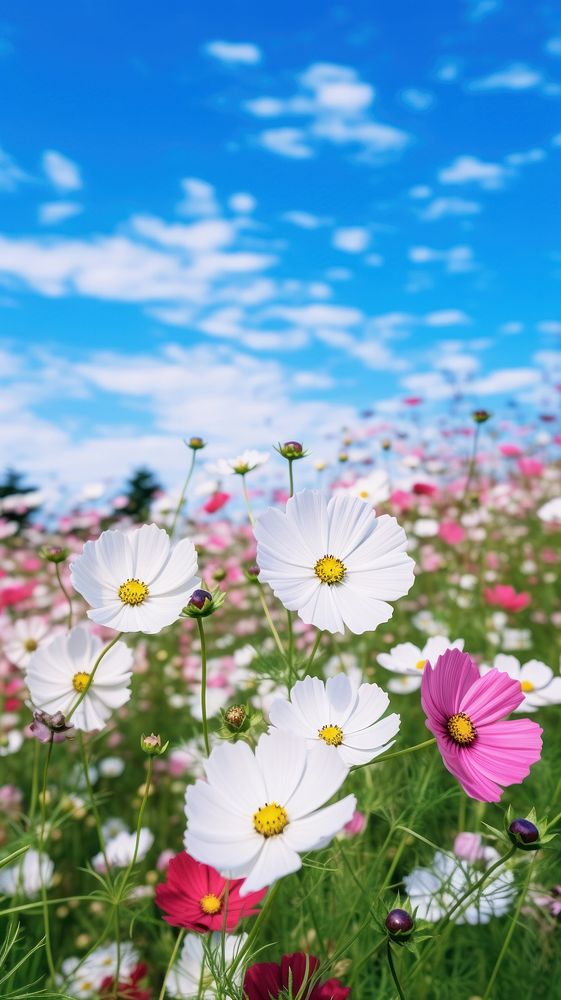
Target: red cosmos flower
[
  {"x": 424, "y": 489},
  {"x": 504, "y": 596},
  {"x": 216, "y": 502},
  {"x": 267, "y": 980},
  {"x": 129, "y": 989},
  {"x": 193, "y": 897}
]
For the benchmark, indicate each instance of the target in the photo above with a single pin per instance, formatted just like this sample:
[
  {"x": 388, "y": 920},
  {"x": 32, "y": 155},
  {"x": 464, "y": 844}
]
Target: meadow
[{"x": 130, "y": 657}]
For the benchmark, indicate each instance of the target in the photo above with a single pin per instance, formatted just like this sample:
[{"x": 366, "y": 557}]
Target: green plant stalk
[
  {"x": 290, "y": 477},
  {"x": 397, "y": 753},
  {"x": 247, "y": 501},
  {"x": 391, "y": 964},
  {"x": 182, "y": 495},
  {"x": 66, "y": 594},
  {"x": 510, "y": 931},
  {"x": 314, "y": 651},
  {"x": 290, "y": 652},
  {"x": 93, "y": 804},
  {"x": 41, "y": 847},
  {"x": 92, "y": 675},
  {"x": 271, "y": 623},
  {"x": 203, "y": 684},
  {"x": 171, "y": 962}
]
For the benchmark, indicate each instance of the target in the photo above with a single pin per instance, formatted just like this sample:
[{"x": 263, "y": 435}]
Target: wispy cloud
[
  {"x": 232, "y": 53},
  {"x": 11, "y": 175},
  {"x": 52, "y": 212},
  {"x": 472, "y": 170},
  {"x": 62, "y": 172},
  {"x": 517, "y": 76}
]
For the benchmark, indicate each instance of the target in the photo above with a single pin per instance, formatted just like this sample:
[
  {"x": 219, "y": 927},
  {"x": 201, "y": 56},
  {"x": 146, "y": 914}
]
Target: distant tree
[
  {"x": 141, "y": 489},
  {"x": 12, "y": 485}
]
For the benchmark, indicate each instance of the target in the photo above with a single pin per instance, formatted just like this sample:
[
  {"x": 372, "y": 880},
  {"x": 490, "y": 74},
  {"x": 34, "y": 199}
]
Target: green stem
[
  {"x": 255, "y": 929},
  {"x": 203, "y": 684},
  {"x": 314, "y": 651},
  {"x": 93, "y": 803},
  {"x": 510, "y": 931},
  {"x": 391, "y": 964},
  {"x": 247, "y": 501},
  {"x": 290, "y": 477},
  {"x": 397, "y": 753},
  {"x": 471, "y": 466},
  {"x": 34, "y": 781},
  {"x": 170, "y": 964},
  {"x": 182, "y": 496},
  {"x": 66, "y": 594},
  {"x": 271, "y": 623},
  {"x": 92, "y": 675},
  {"x": 41, "y": 848},
  {"x": 290, "y": 654}
]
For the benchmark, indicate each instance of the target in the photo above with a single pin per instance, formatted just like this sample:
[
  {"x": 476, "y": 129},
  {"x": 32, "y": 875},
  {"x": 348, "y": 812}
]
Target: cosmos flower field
[{"x": 298, "y": 743}]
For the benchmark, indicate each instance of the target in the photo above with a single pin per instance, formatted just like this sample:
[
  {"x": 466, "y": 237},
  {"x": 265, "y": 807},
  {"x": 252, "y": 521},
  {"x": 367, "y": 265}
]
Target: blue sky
[{"x": 254, "y": 223}]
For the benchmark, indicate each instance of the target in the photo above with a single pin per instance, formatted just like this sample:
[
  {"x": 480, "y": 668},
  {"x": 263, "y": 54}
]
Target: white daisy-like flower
[
  {"x": 375, "y": 488},
  {"x": 435, "y": 890},
  {"x": 259, "y": 811},
  {"x": 537, "y": 681},
  {"x": 25, "y": 636},
  {"x": 191, "y": 978},
  {"x": 26, "y": 877},
  {"x": 340, "y": 715},
  {"x": 120, "y": 849},
  {"x": 550, "y": 512},
  {"x": 83, "y": 977},
  {"x": 333, "y": 561},
  {"x": 134, "y": 581},
  {"x": 10, "y": 742},
  {"x": 59, "y": 673},
  {"x": 241, "y": 464},
  {"x": 409, "y": 661}
]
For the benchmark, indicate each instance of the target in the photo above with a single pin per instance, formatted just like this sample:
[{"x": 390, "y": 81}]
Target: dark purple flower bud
[
  {"x": 399, "y": 923},
  {"x": 199, "y": 598},
  {"x": 523, "y": 831}
]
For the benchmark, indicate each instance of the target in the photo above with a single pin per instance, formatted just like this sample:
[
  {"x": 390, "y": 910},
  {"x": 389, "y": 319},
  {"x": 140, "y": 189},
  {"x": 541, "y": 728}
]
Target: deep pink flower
[
  {"x": 466, "y": 713},
  {"x": 530, "y": 466},
  {"x": 504, "y": 596},
  {"x": 194, "y": 895},
  {"x": 216, "y": 502},
  {"x": 451, "y": 532},
  {"x": 510, "y": 450},
  {"x": 267, "y": 980}
]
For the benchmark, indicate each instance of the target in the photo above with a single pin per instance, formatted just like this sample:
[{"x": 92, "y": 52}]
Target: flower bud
[
  {"x": 235, "y": 716},
  {"x": 291, "y": 450},
  {"x": 196, "y": 443},
  {"x": 203, "y": 603},
  {"x": 50, "y": 728},
  {"x": 524, "y": 834},
  {"x": 54, "y": 553},
  {"x": 219, "y": 574},
  {"x": 152, "y": 745},
  {"x": 252, "y": 573},
  {"x": 399, "y": 924},
  {"x": 480, "y": 416},
  {"x": 343, "y": 457}
]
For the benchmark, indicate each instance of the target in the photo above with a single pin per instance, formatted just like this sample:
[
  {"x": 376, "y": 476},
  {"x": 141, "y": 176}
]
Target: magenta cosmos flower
[
  {"x": 267, "y": 980},
  {"x": 466, "y": 713},
  {"x": 194, "y": 897}
]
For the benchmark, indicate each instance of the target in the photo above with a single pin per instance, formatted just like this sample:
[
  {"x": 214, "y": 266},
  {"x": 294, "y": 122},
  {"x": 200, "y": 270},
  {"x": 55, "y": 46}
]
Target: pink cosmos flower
[
  {"x": 504, "y": 596},
  {"x": 451, "y": 532},
  {"x": 466, "y": 713},
  {"x": 530, "y": 466}
]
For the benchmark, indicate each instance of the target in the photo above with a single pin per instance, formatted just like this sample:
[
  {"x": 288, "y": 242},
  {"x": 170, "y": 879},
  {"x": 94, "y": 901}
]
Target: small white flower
[
  {"x": 134, "y": 581},
  {"x": 241, "y": 464},
  {"x": 83, "y": 977},
  {"x": 25, "y": 636},
  {"x": 10, "y": 742},
  {"x": 340, "y": 715},
  {"x": 550, "y": 512},
  {"x": 374, "y": 488},
  {"x": 434, "y": 891},
  {"x": 191, "y": 978},
  {"x": 538, "y": 684},
  {"x": 111, "y": 767},
  {"x": 425, "y": 527},
  {"x": 333, "y": 561},
  {"x": 120, "y": 849},
  {"x": 259, "y": 811},
  {"x": 410, "y": 661},
  {"x": 27, "y": 875},
  {"x": 60, "y": 672}
]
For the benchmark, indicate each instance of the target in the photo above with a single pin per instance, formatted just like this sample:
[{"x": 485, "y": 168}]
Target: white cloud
[
  {"x": 420, "y": 191},
  {"x": 351, "y": 240},
  {"x": 442, "y": 207},
  {"x": 456, "y": 260},
  {"x": 199, "y": 198},
  {"x": 242, "y": 202},
  {"x": 553, "y": 46},
  {"x": 517, "y": 76},
  {"x": 418, "y": 100},
  {"x": 11, "y": 176},
  {"x": 511, "y": 328},
  {"x": 471, "y": 170},
  {"x": 319, "y": 315},
  {"x": 232, "y": 53},
  {"x": 332, "y": 105},
  {"x": 447, "y": 317},
  {"x": 447, "y": 71},
  {"x": 305, "y": 220},
  {"x": 480, "y": 9},
  {"x": 530, "y": 156},
  {"x": 289, "y": 142},
  {"x": 505, "y": 380},
  {"x": 52, "y": 212},
  {"x": 63, "y": 173},
  {"x": 550, "y": 327}
]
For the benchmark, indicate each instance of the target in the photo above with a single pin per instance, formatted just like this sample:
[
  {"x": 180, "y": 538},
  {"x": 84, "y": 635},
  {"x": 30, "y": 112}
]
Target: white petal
[
  {"x": 324, "y": 775},
  {"x": 312, "y": 832},
  {"x": 282, "y": 759},
  {"x": 275, "y": 861},
  {"x": 233, "y": 771}
]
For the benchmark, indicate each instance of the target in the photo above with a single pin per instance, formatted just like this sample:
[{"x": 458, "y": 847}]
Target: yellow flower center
[
  {"x": 270, "y": 820},
  {"x": 526, "y": 686},
  {"x": 330, "y": 570},
  {"x": 420, "y": 664},
  {"x": 210, "y": 904},
  {"x": 364, "y": 494},
  {"x": 332, "y": 735},
  {"x": 81, "y": 682},
  {"x": 133, "y": 592},
  {"x": 461, "y": 729},
  {"x": 30, "y": 645}
]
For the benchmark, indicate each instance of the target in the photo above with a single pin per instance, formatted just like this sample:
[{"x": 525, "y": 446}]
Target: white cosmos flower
[
  {"x": 340, "y": 715},
  {"x": 260, "y": 810},
  {"x": 333, "y": 561},
  {"x": 241, "y": 464},
  {"x": 410, "y": 661},
  {"x": 25, "y": 636},
  {"x": 435, "y": 890},
  {"x": 59, "y": 673},
  {"x": 539, "y": 685},
  {"x": 85, "y": 976},
  {"x": 551, "y": 511},
  {"x": 134, "y": 581},
  {"x": 10, "y": 742},
  {"x": 120, "y": 849},
  {"x": 191, "y": 978},
  {"x": 375, "y": 488},
  {"x": 27, "y": 875}
]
